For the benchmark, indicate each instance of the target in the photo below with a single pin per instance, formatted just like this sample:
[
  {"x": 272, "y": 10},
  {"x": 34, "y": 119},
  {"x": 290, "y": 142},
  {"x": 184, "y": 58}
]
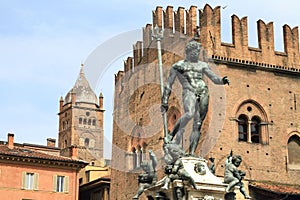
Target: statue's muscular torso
[{"x": 190, "y": 75}]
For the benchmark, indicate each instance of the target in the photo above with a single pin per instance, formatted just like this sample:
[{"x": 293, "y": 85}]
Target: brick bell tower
[{"x": 81, "y": 116}]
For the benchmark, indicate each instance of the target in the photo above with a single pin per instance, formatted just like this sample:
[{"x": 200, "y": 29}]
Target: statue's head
[
  {"x": 192, "y": 51},
  {"x": 236, "y": 160},
  {"x": 200, "y": 168}
]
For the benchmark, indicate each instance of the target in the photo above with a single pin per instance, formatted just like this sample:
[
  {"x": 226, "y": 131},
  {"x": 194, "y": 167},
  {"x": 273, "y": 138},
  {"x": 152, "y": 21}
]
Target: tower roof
[{"x": 82, "y": 90}]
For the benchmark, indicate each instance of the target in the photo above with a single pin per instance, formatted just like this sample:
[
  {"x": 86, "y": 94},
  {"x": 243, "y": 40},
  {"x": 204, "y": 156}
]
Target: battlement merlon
[
  {"x": 128, "y": 64},
  {"x": 184, "y": 22},
  {"x": 137, "y": 52}
]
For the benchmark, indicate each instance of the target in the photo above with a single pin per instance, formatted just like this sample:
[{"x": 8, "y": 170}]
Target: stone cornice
[
  {"x": 42, "y": 161},
  {"x": 245, "y": 64}
]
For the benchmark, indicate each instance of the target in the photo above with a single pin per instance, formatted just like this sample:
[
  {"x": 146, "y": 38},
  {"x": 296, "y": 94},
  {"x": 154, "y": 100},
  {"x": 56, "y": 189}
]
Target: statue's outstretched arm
[{"x": 216, "y": 79}]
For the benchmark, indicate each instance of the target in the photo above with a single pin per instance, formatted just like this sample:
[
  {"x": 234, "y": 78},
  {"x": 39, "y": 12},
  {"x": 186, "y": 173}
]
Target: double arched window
[
  {"x": 252, "y": 123},
  {"x": 138, "y": 156},
  {"x": 137, "y": 148},
  {"x": 249, "y": 130}
]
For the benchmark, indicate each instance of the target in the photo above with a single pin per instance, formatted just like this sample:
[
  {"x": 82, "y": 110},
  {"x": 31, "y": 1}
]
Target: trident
[{"x": 158, "y": 35}]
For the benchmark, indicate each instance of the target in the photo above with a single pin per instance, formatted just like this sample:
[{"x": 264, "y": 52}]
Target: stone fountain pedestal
[{"x": 209, "y": 187}]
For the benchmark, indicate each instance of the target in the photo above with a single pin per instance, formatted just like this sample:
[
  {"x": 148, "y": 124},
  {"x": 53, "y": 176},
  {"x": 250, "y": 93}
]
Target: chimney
[
  {"x": 61, "y": 103},
  {"x": 51, "y": 142},
  {"x": 73, "y": 97},
  {"x": 74, "y": 152},
  {"x": 101, "y": 101},
  {"x": 10, "y": 140}
]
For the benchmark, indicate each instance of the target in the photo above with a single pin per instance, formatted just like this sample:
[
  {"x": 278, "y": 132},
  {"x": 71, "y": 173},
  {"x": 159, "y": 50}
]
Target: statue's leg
[
  {"x": 178, "y": 138},
  {"x": 243, "y": 191},
  {"x": 201, "y": 108},
  {"x": 189, "y": 100},
  {"x": 231, "y": 184}
]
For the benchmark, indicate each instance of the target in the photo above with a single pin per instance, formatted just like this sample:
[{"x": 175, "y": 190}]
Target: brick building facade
[{"x": 257, "y": 116}]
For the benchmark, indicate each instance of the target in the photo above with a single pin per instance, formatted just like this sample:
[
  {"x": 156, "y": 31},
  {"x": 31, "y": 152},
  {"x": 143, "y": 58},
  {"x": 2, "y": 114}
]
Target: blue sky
[{"x": 43, "y": 43}]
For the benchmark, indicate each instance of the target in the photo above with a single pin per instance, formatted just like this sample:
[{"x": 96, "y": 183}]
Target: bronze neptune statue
[{"x": 190, "y": 72}]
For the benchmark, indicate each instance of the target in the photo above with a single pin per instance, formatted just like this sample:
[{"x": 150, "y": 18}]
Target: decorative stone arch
[
  {"x": 137, "y": 137},
  {"x": 293, "y": 149},
  {"x": 257, "y": 124}
]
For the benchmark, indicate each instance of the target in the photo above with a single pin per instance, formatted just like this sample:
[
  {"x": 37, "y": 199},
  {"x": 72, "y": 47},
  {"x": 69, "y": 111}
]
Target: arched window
[
  {"x": 94, "y": 122},
  {"x": 144, "y": 150},
  {"x": 243, "y": 128},
  {"x": 80, "y": 120},
  {"x": 293, "y": 150},
  {"x": 66, "y": 143},
  {"x": 134, "y": 158},
  {"x": 255, "y": 129},
  {"x": 63, "y": 125},
  {"x": 86, "y": 142},
  {"x": 140, "y": 157},
  {"x": 89, "y": 122},
  {"x": 84, "y": 121}
]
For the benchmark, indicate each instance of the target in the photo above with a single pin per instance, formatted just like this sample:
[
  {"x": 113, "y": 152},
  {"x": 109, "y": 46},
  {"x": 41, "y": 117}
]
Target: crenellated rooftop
[{"x": 182, "y": 24}]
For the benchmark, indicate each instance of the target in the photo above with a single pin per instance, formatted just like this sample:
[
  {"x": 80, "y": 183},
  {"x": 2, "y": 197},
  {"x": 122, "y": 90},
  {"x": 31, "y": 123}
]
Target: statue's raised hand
[{"x": 225, "y": 80}]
